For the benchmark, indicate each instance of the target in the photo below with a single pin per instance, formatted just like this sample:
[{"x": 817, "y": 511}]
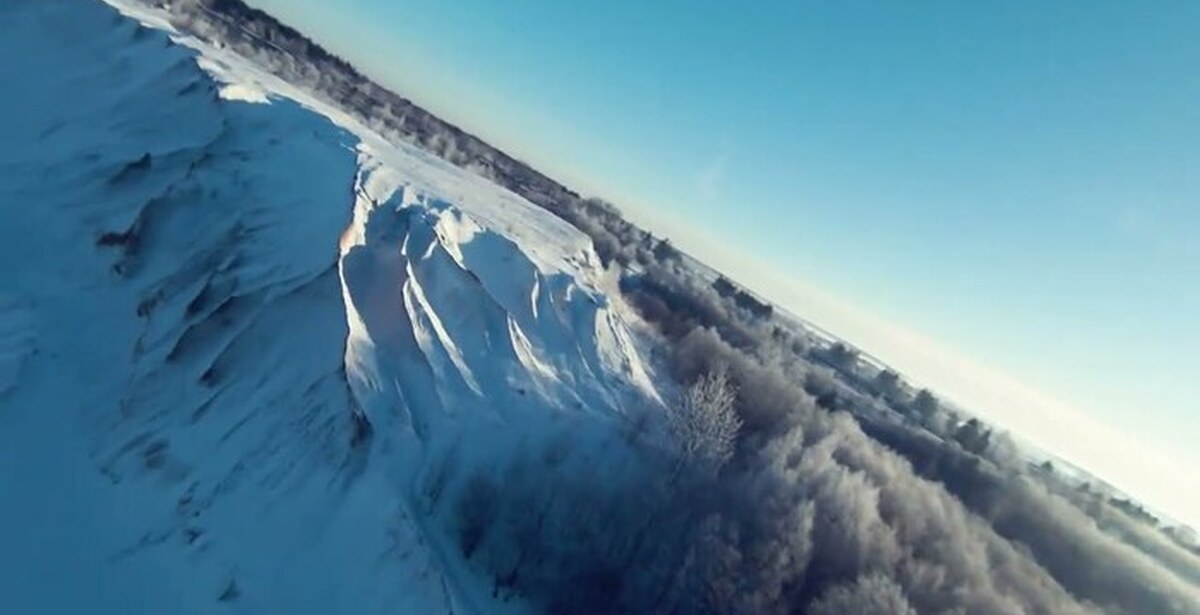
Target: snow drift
[{"x": 235, "y": 335}]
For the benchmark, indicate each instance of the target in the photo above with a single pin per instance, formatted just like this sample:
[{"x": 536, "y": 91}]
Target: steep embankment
[{"x": 233, "y": 336}]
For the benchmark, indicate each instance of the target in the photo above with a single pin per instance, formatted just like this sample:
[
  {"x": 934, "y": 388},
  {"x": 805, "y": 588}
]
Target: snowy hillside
[{"x": 239, "y": 341}]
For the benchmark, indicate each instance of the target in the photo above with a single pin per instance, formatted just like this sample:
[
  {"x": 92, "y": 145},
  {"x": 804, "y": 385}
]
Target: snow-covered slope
[{"x": 237, "y": 335}]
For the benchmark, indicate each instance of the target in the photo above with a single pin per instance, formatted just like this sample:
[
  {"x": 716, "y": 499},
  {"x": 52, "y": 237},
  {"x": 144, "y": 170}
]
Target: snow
[
  {"x": 237, "y": 91},
  {"x": 211, "y": 283}
]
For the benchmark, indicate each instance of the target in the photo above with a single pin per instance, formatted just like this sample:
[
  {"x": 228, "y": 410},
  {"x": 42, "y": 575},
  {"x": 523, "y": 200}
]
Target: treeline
[{"x": 1129, "y": 569}]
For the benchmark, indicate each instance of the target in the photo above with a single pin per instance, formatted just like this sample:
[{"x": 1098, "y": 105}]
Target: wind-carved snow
[
  {"x": 427, "y": 287},
  {"x": 238, "y": 341}
]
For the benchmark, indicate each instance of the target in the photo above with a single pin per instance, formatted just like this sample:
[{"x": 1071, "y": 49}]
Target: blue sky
[{"x": 1000, "y": 198}]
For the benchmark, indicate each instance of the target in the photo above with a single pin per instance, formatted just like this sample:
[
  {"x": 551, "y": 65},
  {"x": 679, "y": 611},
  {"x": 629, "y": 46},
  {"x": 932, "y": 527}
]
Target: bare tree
[{"x": 704, "y": 423}]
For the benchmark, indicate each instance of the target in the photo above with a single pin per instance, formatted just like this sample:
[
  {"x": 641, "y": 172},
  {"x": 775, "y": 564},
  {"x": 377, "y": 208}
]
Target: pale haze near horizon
[{"x": 1001, "y": 200}]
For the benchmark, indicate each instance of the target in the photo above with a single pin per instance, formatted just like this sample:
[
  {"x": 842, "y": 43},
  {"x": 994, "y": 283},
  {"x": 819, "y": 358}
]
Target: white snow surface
[{"x": 238, "y": 332}]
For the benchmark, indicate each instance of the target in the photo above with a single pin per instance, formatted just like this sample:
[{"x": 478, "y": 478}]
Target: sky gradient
[{"x": 1001, "y": 199}]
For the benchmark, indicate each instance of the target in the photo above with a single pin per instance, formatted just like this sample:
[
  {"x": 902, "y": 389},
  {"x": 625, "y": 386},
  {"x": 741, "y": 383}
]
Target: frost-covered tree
[
  {"x": 704, "y": 423},
  {"x": 887, "y": 385},
  {"x": 869, "y": 595},
  {"x": 974, "y": 436},
  {"x": 925, "y": 405},
  {"x": 840, "y": 357}
]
